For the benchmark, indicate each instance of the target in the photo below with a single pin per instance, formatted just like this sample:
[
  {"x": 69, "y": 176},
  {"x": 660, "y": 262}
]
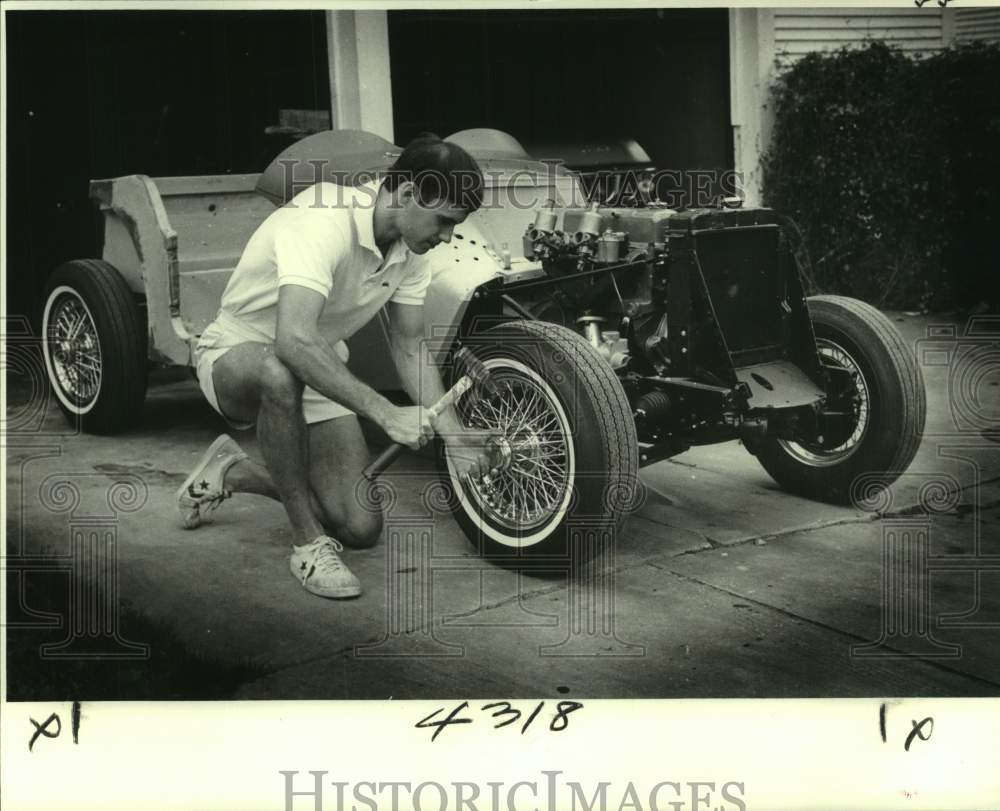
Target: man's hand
[
  {"x": 408, "y": 425},
  {"x": 470, "y": 452}
]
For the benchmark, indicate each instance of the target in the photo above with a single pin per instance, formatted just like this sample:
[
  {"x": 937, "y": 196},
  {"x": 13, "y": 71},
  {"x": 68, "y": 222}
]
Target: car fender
[{"x": 458, "y": 270}]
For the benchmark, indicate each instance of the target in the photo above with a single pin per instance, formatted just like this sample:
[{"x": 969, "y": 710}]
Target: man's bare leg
[
  {"x": 248, "y": 476},
  {"x": 337, "y": 456},
  {"x": 337, "y": 453},
  {"x": 252, "y": 384}
]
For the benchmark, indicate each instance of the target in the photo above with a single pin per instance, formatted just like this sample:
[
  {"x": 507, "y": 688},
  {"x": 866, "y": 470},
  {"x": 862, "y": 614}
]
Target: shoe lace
[{"x": 325, "y": 559}]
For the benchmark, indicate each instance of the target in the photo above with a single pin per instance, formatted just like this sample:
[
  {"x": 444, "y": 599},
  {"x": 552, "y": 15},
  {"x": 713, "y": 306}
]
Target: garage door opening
[{"x": 658, "y": 76}]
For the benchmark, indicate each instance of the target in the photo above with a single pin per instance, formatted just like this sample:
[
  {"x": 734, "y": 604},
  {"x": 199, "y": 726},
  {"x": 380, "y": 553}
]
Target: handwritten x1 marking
[{"x": 43, "y": 729}]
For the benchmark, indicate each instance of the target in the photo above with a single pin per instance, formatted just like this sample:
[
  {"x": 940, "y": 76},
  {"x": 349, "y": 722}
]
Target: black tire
[
  {"x": 574, "y": 415},
  {"x": 99, "y": 377},
  {"x": 886, "y": 435}
]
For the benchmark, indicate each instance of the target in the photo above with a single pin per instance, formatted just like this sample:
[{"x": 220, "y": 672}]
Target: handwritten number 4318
[{"x": 500, "y": 710}]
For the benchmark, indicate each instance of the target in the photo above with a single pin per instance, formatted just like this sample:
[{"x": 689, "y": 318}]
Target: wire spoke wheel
[
  {"x": 562, "y": 422},
  {"x": 525, "y": 418},
  {"x": 74, "y": 348},
  {"x": 94, "y": 346}
]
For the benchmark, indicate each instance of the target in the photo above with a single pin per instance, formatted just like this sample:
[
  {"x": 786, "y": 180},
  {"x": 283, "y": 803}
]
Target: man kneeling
[{"x": 267, "y": 360}]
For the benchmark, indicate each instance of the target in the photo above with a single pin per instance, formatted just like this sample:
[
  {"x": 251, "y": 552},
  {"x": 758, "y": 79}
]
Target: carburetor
[
  {"x": 595, "y": 236},
  {"x": 589, "y": 243}
]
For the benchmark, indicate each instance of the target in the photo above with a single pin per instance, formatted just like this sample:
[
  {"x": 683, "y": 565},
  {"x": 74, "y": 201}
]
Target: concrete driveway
[{"x": 722, "y": 586}]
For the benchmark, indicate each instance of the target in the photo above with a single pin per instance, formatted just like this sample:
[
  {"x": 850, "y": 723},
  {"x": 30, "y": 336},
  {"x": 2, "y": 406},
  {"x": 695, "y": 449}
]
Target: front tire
[
  {"x": 94, "y": 344},
  {"x": 890, "y": 412},
  {"x": 572, "y": 471}
]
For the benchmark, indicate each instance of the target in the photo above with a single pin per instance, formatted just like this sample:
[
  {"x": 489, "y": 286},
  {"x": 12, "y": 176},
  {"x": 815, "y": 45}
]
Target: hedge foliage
[{"x": 890, "y": 166}]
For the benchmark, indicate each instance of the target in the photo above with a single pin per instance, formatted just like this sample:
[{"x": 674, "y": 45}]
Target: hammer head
[{"x": 468, "y": 365}]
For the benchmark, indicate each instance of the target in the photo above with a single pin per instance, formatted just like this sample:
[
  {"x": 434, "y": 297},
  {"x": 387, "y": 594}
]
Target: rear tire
[
  {"x": 94, "y": 344},
  {"x": 890, "y": 421},
  {"x": 573, "y": 473}
]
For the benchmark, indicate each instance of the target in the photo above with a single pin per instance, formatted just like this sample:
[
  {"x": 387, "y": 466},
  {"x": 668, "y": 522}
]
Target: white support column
[
  {"x": 357, "y": 45},
  {"x": 947, "y": 26},
  {"x": 751, "y": 60}
]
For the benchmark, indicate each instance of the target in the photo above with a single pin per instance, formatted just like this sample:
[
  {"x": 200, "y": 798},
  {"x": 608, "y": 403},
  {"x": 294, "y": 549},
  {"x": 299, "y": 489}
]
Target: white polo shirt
[{"x": 323, "y": 240}]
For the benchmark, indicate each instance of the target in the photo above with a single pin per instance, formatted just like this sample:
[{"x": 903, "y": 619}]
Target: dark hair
[{"x": 440, "y": 170}]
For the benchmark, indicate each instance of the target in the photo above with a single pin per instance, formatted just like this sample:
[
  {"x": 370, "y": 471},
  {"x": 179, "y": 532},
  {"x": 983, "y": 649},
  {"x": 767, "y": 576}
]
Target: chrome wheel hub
[{"x": 531, "y": 437}]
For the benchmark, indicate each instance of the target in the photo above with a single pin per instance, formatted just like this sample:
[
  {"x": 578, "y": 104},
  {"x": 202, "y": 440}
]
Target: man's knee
[
  {"x": 278, "y": 385},
  {"x": 362, "y": 529}
]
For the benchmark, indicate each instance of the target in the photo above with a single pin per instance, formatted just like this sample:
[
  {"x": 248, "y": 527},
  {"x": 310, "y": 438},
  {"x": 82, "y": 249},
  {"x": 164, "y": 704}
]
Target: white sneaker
[
  {"x": 318, "y": 567},
  {"x": 203, "y": 491}
]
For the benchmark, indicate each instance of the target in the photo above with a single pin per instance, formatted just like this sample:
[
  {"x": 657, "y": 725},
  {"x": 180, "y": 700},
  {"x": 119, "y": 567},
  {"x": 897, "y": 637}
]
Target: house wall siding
[
  {"x": 764, "y": 42},
  {"x": 798, "y": 32},
  {"x": 972, "y": 24}
]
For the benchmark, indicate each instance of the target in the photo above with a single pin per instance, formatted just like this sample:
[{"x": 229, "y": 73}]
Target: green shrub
[{"x": 890, "y": 166}]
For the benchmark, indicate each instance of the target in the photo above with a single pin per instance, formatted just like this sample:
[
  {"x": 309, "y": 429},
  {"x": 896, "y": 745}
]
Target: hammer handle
[{"x": 391, "y": 454}]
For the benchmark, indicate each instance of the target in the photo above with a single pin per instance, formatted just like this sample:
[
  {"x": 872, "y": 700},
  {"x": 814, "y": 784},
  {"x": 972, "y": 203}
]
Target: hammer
[{"x": 474, "y": 374}]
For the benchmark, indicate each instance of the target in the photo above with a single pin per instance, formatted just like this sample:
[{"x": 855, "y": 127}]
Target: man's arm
[
  {"x": 422, "y": 382},
  {"x": 417, "y": 372},
  {"x": 301, "y": 347}
]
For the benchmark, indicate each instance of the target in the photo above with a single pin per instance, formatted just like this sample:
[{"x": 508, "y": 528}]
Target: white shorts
[{"x": 215, "y": 342}]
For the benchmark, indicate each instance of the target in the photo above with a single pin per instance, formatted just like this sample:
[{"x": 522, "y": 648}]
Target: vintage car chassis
[{"x": 621, "y": 335}]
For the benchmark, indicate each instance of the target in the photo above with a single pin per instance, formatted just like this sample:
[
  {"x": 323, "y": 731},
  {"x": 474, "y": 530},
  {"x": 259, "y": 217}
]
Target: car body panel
[
  {"x": 346, "y": 157},
  {"x": 135, "y": 208}
]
